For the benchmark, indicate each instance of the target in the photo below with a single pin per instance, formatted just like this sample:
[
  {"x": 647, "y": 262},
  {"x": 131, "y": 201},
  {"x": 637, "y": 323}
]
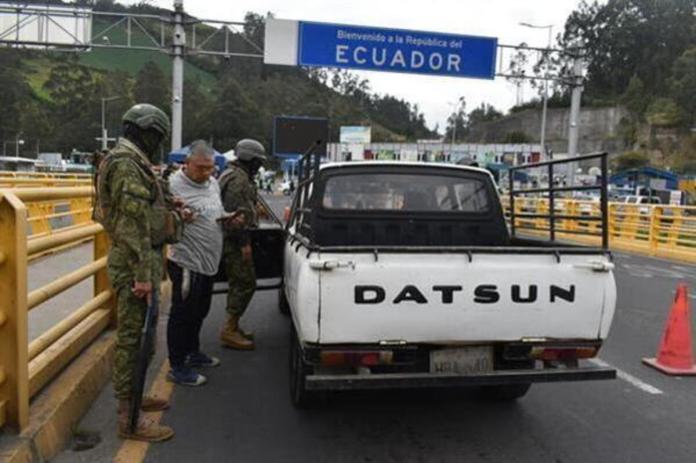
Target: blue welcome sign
[{"x": 395, "y": 50}]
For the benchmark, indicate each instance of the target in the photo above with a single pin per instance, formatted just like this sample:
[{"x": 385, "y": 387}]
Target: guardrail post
[
  {"x": 14, "y": 365},
  {"x": 675, "y": 227},
  {"x": 101, "y": 278},
  {"x": 612, "y": 223},
  {"x": 80, "y": 209},
  {"x": 654, "y": 228},
  {"x": 39, "y": 212}
]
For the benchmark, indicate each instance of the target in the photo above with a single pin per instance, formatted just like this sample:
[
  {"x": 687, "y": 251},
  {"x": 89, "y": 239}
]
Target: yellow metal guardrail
[
  {"x": 25, "y": 368},
  {"x": 653, "y": 230},
  {"x": 46, "y": 175},
  {"x": 45, "y": 217}
]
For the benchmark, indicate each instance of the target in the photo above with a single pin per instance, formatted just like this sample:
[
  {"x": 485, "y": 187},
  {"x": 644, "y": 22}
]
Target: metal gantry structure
[
  {"x": 176, "y": 34},
  {"x": 179, "y": 35}
]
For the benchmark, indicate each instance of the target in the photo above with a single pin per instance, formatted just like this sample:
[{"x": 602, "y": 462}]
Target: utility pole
[
  {"x": 455, "y": 119},
  {"x": 576, "y": 96},
  {"x": 17, "y": 143},
  {"x": 105, "y": 134},
  {"x": 178, "y": 44},
  {"x": 542, "y": 138},
  {"x": 542, "y": 135}
]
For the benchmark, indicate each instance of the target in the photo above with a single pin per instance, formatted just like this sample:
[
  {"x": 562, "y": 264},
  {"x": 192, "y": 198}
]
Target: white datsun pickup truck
[{"x": 406, "y": 275}]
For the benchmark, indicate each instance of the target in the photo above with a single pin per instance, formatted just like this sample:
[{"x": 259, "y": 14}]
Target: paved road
[
  {"x": 45, "y": 270},
  {"x": 244, "y": 414}
]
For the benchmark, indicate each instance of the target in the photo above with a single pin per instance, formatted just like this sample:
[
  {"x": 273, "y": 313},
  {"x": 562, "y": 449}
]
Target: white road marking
[{"x": 632, "y": 380}]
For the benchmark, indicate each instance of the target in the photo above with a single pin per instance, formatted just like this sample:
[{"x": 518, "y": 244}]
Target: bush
[{"x": 631, "y": 160}]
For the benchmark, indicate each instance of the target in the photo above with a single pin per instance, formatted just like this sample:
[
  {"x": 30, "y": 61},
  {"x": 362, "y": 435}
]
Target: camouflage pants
[
  {"x": 131, "y": 316},
  {"x": 241, "y": 278}
]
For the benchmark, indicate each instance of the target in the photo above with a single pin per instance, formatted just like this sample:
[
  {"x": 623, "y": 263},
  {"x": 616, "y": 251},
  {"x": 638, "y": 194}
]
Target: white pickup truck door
[{"x": 445, "y": 298}]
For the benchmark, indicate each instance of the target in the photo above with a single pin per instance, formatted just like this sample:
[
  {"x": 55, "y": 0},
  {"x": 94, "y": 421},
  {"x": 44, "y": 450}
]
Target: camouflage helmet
[
  {"x": 249, "y": 149},
  {"x": 147, "y": 116}
]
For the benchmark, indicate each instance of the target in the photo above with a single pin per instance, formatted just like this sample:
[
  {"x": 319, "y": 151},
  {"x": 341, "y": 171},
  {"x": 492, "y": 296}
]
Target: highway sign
[{"x": 377, "y": 49}]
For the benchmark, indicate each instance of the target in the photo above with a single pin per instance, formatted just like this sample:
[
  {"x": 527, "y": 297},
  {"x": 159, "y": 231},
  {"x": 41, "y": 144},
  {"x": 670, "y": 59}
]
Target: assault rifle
[{"x": 147, "y": 339}]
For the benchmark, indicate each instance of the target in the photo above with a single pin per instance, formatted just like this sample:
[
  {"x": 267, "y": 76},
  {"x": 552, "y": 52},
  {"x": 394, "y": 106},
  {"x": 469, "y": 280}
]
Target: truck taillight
[
  {"x": 563, "y": 353},
  {"x": 330, "y": 358}
]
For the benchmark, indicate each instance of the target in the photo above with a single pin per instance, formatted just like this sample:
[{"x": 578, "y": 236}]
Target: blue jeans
[{"x": 187, "y": 313}]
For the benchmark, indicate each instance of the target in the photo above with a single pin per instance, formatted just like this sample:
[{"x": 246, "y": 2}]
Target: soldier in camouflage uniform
[
  {"x": 239, "y": 193},
  {"x": 139, "y": 219}
]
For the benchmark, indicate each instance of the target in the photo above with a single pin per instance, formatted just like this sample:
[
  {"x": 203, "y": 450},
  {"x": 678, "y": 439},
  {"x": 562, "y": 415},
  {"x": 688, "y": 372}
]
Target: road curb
[{"x": 59, "y": 407}]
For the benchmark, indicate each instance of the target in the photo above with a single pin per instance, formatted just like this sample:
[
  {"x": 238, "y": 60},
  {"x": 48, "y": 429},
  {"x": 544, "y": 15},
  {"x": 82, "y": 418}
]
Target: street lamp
[
  {"x": 18, "y": 142},
  {"x": 104, "y": 137},
  {"x": 542, "y": 138},
  {"x": 454, "y": 117}
]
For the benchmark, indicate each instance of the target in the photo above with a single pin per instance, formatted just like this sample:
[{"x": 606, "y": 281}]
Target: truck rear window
[{"x": 404, "y": 192}]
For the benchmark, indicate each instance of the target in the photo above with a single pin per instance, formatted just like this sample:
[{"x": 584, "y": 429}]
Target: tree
[
  {"x": 664, "y": 112},
  {"x": 15, "y": 96},
  {"x": 76, "y": 106},
  {"x": 626, "y": 38},
  {"x": 483, "y": 113},
  {"x": 631, "y": 160},
  {"x": 152, "y": 86},
  {"x": 457, "y": 126},
  {"x": 517, "y": 136},
  {"x": 682, "y": 85},
  {"x": 634, "y": 98},
  {"x": 197, "y": 101},
  {"x": 233, "y": 116}
]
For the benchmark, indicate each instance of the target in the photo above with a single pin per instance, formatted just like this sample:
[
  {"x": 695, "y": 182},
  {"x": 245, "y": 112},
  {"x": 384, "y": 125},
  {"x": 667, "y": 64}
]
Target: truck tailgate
[{"x": 453, "y": 298}]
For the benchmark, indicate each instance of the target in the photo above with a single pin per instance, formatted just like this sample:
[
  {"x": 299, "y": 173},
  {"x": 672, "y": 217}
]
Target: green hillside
[
  {"x": 53, "y": 99},
  {"x": 132, "y": 61}
]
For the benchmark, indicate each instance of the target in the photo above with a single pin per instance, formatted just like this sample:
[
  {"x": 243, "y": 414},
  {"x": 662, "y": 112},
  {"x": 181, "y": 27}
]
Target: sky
[{"x": 435, "y": 96}]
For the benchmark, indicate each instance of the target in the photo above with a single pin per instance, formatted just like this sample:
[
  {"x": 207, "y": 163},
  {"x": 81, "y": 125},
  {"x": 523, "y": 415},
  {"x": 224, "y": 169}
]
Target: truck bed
[{"x": 470, "y": 297}]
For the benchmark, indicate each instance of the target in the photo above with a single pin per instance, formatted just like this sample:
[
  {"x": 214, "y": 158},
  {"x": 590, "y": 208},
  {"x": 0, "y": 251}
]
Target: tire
[
  {"x": 299, "y": 369},
  {"x": 283, "y": 305},
  {"x": 505, "y": 392}
]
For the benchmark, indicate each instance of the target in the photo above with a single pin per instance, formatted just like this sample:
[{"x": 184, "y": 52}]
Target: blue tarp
[
  {"x": 179, "y": 156},
  {"x": 642, "y": 176},
  {"x": 496, "y": 169}
]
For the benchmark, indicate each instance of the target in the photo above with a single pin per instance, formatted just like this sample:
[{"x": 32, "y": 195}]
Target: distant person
[
  {"x": 192, "y": 264},
  {"x": 139, "y": 221},
  {"x": 239, "y": 193}
]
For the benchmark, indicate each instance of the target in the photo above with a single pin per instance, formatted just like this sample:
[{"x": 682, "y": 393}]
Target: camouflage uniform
[
  {"x": 139, "y": 222},
  {"x": 239, "y": 193}
]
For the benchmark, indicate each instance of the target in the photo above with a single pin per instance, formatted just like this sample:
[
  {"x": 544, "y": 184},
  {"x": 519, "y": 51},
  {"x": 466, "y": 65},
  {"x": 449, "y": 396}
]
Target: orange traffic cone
[{"x": 676, "y": 354}]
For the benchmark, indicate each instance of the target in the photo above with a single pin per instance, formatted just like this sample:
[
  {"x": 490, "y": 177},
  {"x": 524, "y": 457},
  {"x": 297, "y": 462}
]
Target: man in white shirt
[{"x": 192, "y": 264}]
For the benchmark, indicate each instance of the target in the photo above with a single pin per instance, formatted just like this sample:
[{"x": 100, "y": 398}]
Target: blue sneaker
[
  {"x": 186, "y": 377},
  {"x": 201, "y": 360}
]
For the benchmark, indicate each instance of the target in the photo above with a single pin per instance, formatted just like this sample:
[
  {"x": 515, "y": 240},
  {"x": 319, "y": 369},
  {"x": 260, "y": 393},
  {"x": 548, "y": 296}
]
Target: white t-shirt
[{"x": 200, "y": 248}]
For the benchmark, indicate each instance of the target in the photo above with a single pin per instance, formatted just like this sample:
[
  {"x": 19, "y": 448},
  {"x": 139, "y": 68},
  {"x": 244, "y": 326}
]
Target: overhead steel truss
[
  {"x": 148, "y": 32},
  {"x": 177, "y": 34}
]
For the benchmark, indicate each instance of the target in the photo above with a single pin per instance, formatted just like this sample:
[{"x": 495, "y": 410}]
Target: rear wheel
[
  {"x": 506, "y": 392},
  {"x": 283, "y": 305},
  {"x": 299, "y": 369},
  {"x": 509, "y": 392}
]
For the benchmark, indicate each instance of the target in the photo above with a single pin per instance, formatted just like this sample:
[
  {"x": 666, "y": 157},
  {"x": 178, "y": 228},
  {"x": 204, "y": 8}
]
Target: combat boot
[
  {"x": 247, "y": 334},
  {"x": 153, "y": 404},
  {"x": 146, "y": 430},
  {"x": 231, "y": 337}
]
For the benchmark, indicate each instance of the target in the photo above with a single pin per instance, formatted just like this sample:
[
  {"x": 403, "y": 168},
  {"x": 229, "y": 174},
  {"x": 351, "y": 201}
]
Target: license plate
[{"x": 462, "y": 360}]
